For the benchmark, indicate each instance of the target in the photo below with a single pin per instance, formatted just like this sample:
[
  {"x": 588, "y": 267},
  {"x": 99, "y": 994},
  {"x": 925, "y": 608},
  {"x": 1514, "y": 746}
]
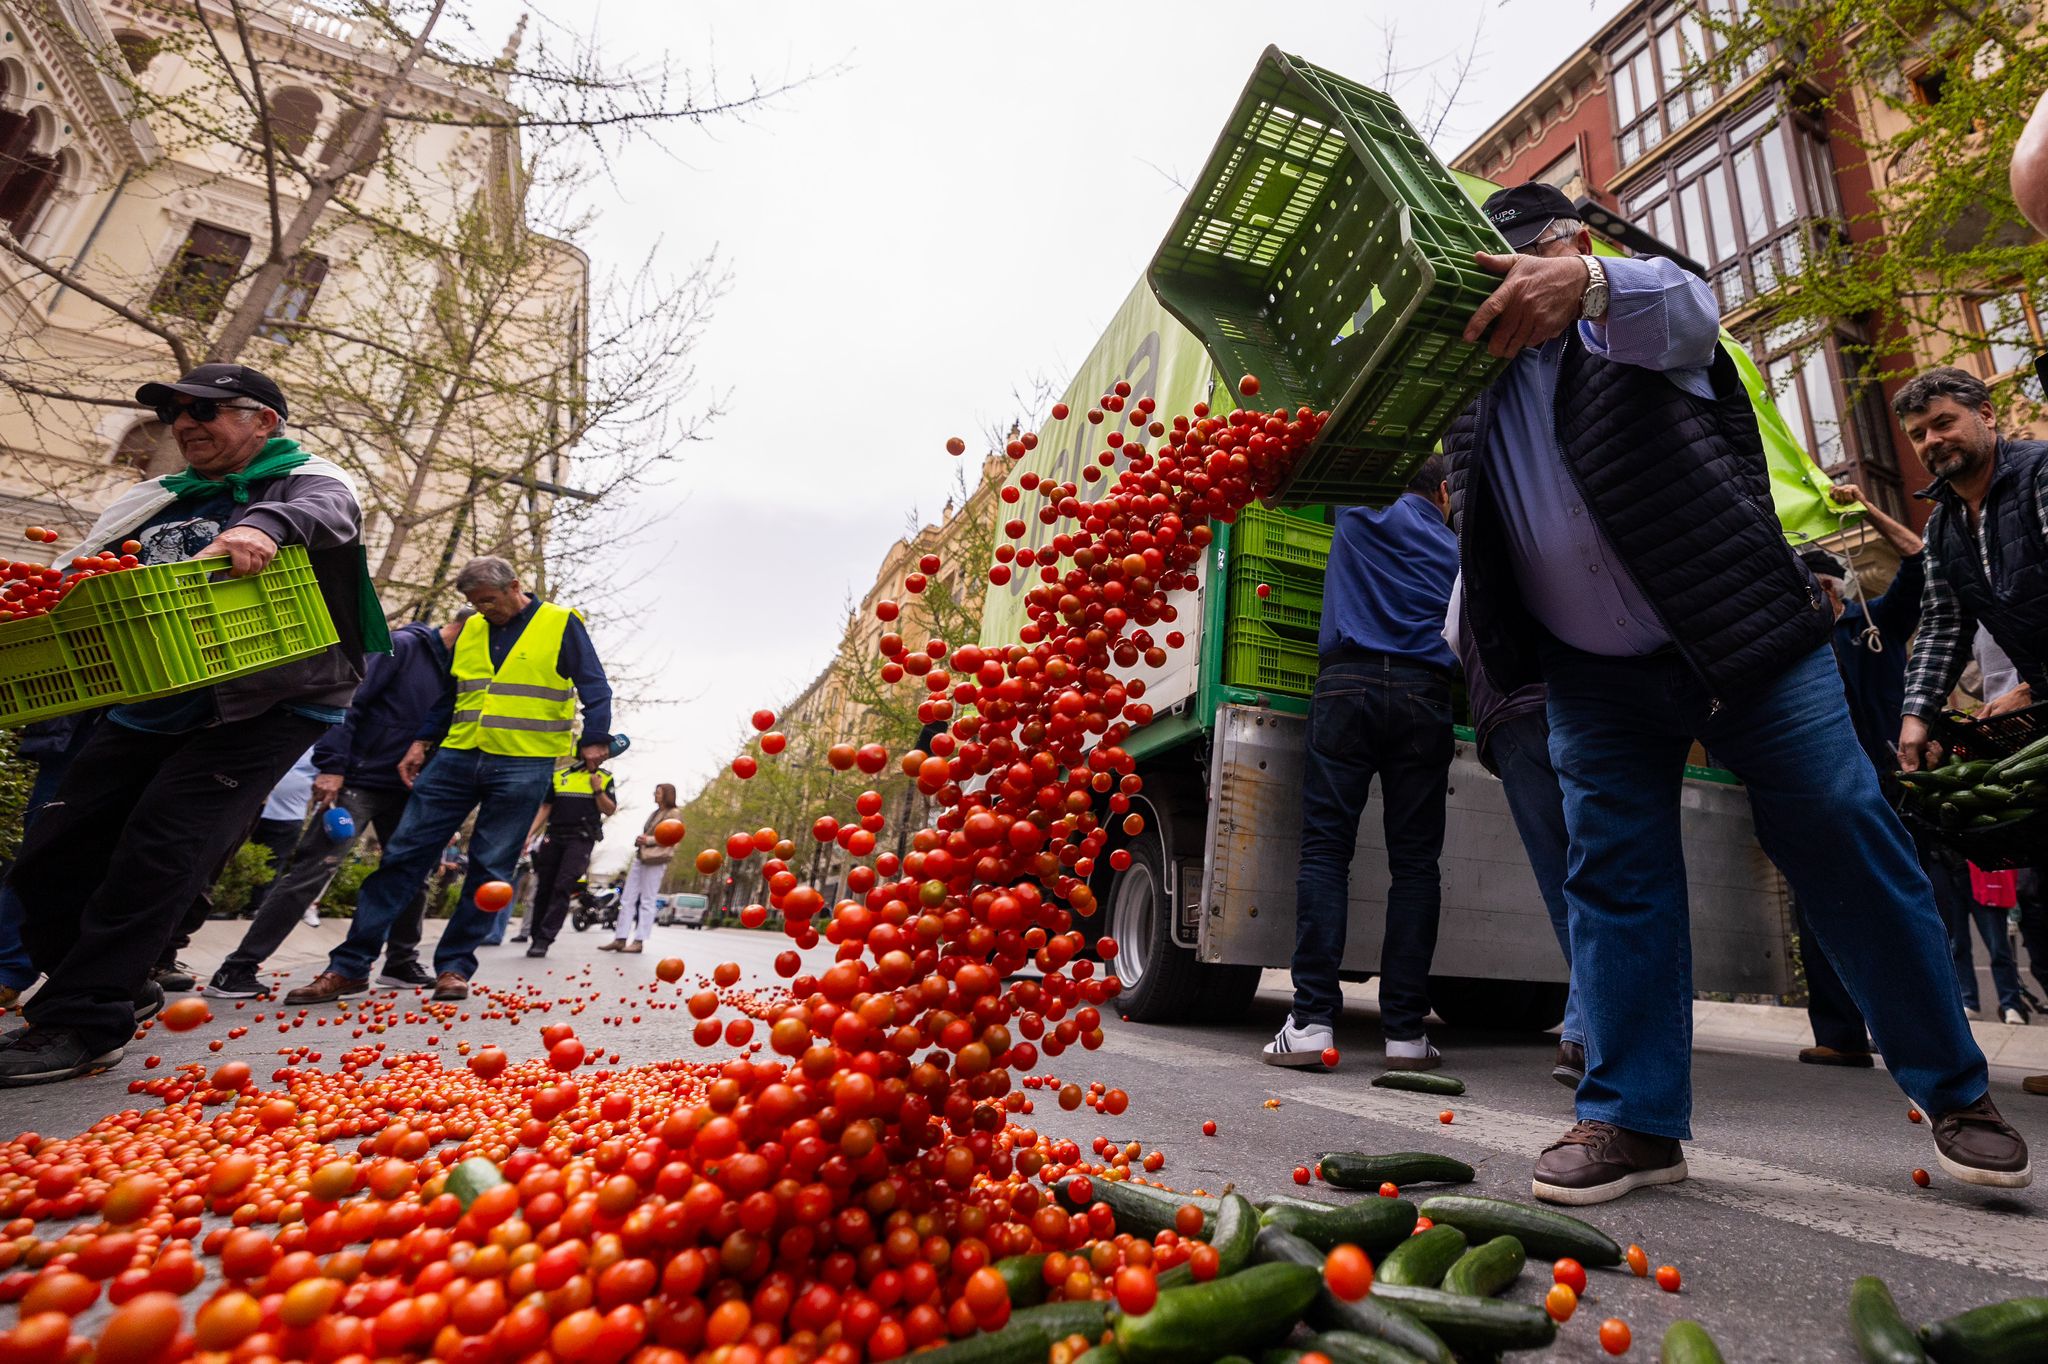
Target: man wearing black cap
[
  {"x": 175, "y": 782},
  {"x": 1619, "y": 544}
]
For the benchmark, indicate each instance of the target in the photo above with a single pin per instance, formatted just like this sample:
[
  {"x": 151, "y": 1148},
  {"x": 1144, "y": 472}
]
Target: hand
[
  {"x": 415, "y": 758},
  {"x": 1540, "y": 297},
  {"x": 642, "y": 841},
  {"x": 2019, "y": 698},
  {"x": 596, "y": 782},
  {"x": 326, "y": 790},
  {"x": 1913, "y": 745},
  {"x": 1845, "y": 493},
  {"x": 249, "y": 550}
]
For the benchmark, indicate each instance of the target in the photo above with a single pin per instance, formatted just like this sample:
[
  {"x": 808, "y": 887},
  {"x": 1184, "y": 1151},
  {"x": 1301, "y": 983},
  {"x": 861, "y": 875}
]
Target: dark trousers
[
  {"x": 1830, "y": 1009},
  {"x": 277, "y": 837},
  {"x": 558, "y": 864},
  {"x": 137, "y": 829},
  {"x": 2034, "y": 924},
  {"x": 1372, "y": 718},
  {"x": 313, "y": 864}
]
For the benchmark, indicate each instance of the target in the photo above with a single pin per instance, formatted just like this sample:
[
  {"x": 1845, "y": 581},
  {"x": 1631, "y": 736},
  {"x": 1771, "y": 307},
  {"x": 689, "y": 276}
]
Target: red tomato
[
  {"x": 1638, "y": 1262},
  {"x": 1188, "y": 1219},
  {"x": 1668, "y": 1278},
  {"x": 1348, "y": 1272},
  {"x": 1208, "y": 1127},
  {"x": 1301, "y": 1175},
  {"x": 1561, "y": 1301},
  {"x": 1137, "y": 1288},
  {"x": 1614, "y": 1336},
  {"x": 1570, "y": 1273},
  {"x": 493, "y": 896}
]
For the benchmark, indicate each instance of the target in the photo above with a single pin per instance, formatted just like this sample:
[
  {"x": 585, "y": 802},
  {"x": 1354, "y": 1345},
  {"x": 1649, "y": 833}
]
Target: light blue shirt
[
  {"x": 288, "y": 799},
  {"x": 1658, "y": 317}
]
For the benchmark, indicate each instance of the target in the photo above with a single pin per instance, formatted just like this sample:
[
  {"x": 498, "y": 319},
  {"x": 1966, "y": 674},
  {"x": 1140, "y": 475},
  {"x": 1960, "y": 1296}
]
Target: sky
[{"x": 945, "y": 217}]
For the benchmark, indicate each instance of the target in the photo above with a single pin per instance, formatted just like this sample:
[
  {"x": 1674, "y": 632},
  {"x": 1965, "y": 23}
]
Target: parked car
[{"x": 681, "y": 908}]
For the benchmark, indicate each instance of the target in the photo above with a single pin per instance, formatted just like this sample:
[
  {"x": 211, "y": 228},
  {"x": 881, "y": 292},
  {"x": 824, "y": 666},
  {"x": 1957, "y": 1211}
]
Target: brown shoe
[
  {"x": 1978, "y": 1146},
  {"x": 8, "y": 996},
  {"x": 326, "y": 988},
  {"x": 634, "y": 947},
  {"x": 615, "y": 945},
  {"x": 1570, "y": 1066},
  {"x": 1597, "y": 1161},
  {"x": 2035, "y": 1084},
  {"x": 451, "y": 985},
  {"x": 1828, "y": 1056}
]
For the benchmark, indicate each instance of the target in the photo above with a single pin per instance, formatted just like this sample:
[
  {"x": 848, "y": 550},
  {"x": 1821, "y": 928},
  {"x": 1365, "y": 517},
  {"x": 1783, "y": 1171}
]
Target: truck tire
[
  {"x": 1163, "y": 982},
  {"x": 1503, "y": 1005}
]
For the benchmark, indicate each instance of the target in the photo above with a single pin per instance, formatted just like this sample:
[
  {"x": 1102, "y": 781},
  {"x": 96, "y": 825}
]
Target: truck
[{"x": 1206, "y": 901}]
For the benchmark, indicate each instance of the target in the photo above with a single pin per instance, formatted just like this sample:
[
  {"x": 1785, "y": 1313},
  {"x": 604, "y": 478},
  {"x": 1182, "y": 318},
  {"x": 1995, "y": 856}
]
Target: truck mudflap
[{"x": 1494, "y": 925}]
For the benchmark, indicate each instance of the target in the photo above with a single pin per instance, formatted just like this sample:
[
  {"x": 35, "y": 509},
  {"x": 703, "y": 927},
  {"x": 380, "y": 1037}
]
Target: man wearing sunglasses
[
  {"x": 1619, "y": 544},
  {"x": 163, "y": 790}
]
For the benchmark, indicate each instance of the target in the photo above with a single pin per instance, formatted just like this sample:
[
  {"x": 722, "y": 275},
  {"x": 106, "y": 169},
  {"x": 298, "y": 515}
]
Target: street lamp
[{"x": 1625, "y": 233}]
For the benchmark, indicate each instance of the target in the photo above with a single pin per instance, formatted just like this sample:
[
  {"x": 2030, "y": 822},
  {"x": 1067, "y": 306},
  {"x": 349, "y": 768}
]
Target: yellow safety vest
[{"x": 525, "y": 709}]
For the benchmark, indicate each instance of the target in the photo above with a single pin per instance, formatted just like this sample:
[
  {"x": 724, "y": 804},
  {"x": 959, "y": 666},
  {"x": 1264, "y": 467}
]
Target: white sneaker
[
  {"x": 2014, "y": 1016},
  {"x": 1299, "y": 1047},
  {"x": 311, "y": 918},
  {"x": 1414, "y": 1055}
]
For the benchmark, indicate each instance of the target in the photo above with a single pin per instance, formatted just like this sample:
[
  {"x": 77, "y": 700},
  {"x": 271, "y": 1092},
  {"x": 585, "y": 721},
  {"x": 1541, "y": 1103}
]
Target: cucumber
[
  {"x": 470, "y": 1178},
  {"x": 1200, "y": 1322},
  {"x": 1421, "y": 1081},
  {"x": 1375, "y": 1225},
  {"x": 1062, "y": 1319},
  {"x": 1472, "y": 1325},
  {"x": 1687, "y": 1342},
  {"x": 2010, "y": 1332},
  {"x": 1236, "y": 1227},
  {"x": 1227, "y": 1359},
  {"x": 1367, "y": 1318},
  {"x": 1013, "y": 1344},
  {"x": 1099, "y": 1354},
  {"x": 1350, "y": 1170},
  {"x": 1140, "y": 1209},
  {"x": 1025, "y": 1277},
  {"x": 1349, "y": 1347},
  {"x": 1485, "y": 1270},
  {"x": 1543, "y": 1233},
  {"x": 1420, "y": 1261}
]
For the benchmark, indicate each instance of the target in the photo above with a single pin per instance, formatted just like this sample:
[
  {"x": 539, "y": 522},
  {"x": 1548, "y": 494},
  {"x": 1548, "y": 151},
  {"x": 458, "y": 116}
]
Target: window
[
  {"x": 344, "y": 129},
  {"x": 293, "y": 297},
  {"x": 1653, "y": 72},
  {"x": 294, "y": 113},
  {"x": 1566, "y": 174},
  {"x": 198, "y": 281},
  {"x": 27, "y": 180},
  {"x": 1930, "y": 85},
  {"x": 2010, "y": 323},
  {"x": 1821, "y": 391},
  {"x": 138, "y": 51}
]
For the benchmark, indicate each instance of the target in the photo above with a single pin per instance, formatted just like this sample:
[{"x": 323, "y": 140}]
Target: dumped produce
[
  {"x": 1350, "y": 1170},
  {"x": 1420, "y": 1081},
  {"x": 1541, "y": 1231}
]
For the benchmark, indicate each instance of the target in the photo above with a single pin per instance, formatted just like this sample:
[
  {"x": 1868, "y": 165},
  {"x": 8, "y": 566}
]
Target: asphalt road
[{"x": 1800, "y": 1176}]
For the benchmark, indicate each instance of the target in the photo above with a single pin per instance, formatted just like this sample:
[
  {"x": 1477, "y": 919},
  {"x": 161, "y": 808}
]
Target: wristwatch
[{"x": 1593, "y": 306}]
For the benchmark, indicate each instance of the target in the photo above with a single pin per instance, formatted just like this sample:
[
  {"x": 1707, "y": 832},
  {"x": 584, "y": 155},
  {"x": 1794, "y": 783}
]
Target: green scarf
[{"x": 278, "y": 456}]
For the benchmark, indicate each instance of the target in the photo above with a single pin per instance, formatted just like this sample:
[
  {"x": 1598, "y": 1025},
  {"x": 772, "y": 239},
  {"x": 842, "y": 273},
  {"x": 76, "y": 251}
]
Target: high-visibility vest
[{"x": 524, "y": 709}]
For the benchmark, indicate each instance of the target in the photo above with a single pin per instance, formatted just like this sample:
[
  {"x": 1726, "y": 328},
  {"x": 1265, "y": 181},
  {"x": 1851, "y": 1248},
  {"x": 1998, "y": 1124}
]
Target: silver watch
[{"x": 1593, "y": 306}]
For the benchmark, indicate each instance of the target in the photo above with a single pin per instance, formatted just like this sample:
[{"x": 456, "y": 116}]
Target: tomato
[
  {"x": 133, "y": 1198},
  {"x": 489, "y": 1062},
  {"x": 59, "y": 1291},
  {"x": 1188, "y": 1219},
  {"x": 1638, "y": 1262},
  {"x": 493, "y": 896},
  {"x": 669, "y": 832},
  {"x": 40, "y": 1338},
  {"x": 1204, "y": 1262},
  {"x": 1561, "y": 1301},
  {"x": 1330, "y": 1057},
  {"x": 185, "y": 1014},
  {"x": 1301, "y": 1175},
  {"x": 1445, "y": 1117},
  {"x": 1390, "y": 1190},
  {"x": 1614, "y": 1336},
  {"x": 1137, "y": 1288},
  {"x": 1668, "y": 1278},
  {"x": 1914, "y": 1115},
  {"x": 669, "y": 969},
  {"x": 955, "y": 446},
  {"x": 1570, "y": 1273},
  {"x": 764, "y": 719},
  {"x": 1922, "y": 1178},
  {"x": 1348, "y": 1272},
  {"x": 1249, "y": 386},
  {"x": 1208, "y": 1127}
]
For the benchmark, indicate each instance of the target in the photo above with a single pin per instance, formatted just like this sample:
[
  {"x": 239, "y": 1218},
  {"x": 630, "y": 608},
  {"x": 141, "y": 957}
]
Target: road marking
[{"x": 2003, "y": 1243}]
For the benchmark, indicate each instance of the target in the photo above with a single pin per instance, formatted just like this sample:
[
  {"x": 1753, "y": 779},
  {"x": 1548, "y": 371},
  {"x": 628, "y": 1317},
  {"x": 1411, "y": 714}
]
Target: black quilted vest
[
  {"x": 2012, "y": 601},
  {"x": 1679, "y": 486}
]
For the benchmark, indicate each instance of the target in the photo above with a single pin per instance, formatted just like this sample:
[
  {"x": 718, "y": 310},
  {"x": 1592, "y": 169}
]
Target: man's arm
[
  {"x": 1940, "y": 652},
  {"x": 1658, "y": 316},
  {"x": 607, "y": 803},
  {"x": 540, "y": 819},
  {"x": 320, "y": 513},
  {"x": 579, "y": 663}
]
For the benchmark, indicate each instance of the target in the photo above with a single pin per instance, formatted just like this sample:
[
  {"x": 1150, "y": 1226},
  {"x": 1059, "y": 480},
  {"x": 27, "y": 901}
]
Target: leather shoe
[
  {"x": 326, "y": 988},
  {"x": 2035, "y": 1084},
  {"x": 1978, "y": 1146},
  {"x": 451, "y": 985},
  {"x": 1830, "y": 1056},
  {"x": 1571, "y": 1064},
  {"x": 1597, "y": 1161}
]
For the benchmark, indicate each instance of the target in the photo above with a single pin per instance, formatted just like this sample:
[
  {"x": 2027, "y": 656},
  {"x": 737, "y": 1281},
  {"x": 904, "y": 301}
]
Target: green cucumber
[
  {"x": 1375, "y": 1225},
  {"x": 2010, "y": 1332},
  {"x": 1421, "y": 1081},
  {"x": 1349, "y": 1347},
  {"x": 1099, "y": 1354},
  {"x": 1140, "y": 1210},
  {"x": 1062, "y": 1319},
  {"x": 1485, "y": 1270},
  {"x": 1330, "y": 1313},
  {"x": 1687, "y": 1342},
  {"x": 1351, "y": 1170},
  {"x": 1197, "y": 1323},
  {"x": 1236, "y": 1228},
  {"x": 1227, "y": 1359},
  {"x": 1420, "y": 1261},
  {"x": 1545, "y": 1234},
  {"x": 1025, "y": 1277},
  {"x": 1014, "y": 1344},
  {"x": 1472, "y": 1325},
  {"x": 470, "y": 1178}
]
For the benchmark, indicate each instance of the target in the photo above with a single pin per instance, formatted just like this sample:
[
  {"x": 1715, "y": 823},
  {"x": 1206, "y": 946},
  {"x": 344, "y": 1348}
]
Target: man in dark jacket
[
  {"x": 164, "y": 789},
  {"x": 357, "y": 762},
  {"x": 1619, "y": 544}
]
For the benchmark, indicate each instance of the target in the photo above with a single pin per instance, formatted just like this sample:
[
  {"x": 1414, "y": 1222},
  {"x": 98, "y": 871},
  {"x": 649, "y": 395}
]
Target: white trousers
[{"x": 636, "y": 902}]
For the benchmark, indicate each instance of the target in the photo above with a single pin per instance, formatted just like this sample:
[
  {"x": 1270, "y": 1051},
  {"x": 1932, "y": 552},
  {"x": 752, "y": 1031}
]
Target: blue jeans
[
  {"x": 1619, "y": 731},
  {"x": 2005, "y": 972},
  {"x": 504, "y": 792},
  {"x": 16, "y": 970},
  {"x": 1519, "y": 749},
  {"x": 1393, "y": 719}
]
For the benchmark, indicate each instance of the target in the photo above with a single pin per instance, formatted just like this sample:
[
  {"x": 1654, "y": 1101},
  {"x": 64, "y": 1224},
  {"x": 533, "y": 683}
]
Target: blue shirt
[
  {"x": 577, "y": 662},
  {"x": 1658, "y": 317},
  {"x": 1875, "y": 679},
  {"x": 1389, "y": 582}
]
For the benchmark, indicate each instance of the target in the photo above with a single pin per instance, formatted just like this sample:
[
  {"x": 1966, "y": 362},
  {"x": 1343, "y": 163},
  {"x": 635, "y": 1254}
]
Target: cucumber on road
[
  {"x": 1375, "y": 1225},
  {"x": 2011, "y": 1332},
  {"x": 1486, "y": 1270},
  {"x": 1420, "y": 1261},
  {"x": 1421, "y": 1081},
  {"x": 1200, "y": 1322},
  {"x": 1479, "y": 1326},
  {"x": 1882, "y": 1334},
  {"x": 1233, "y": 1230},
  {"x": 1353, "y": 1170},
  {"x": 1687, "y": 1342},
  {"x": 1365, "y": 1317},
  {"x": 1545, "y": 1234}
]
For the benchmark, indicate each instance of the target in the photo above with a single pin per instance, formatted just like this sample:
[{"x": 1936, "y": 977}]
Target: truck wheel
[
  {"x": 1503, "y": 1005},
  {"x": 1162, "y": 980}
]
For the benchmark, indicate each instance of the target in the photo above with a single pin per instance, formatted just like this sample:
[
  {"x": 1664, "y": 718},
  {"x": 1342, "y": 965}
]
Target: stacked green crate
[{"x": 1269, "y": 642}]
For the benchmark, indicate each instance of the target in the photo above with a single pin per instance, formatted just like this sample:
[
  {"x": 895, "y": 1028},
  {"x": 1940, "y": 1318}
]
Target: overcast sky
[{"x": 950, "y": 217}]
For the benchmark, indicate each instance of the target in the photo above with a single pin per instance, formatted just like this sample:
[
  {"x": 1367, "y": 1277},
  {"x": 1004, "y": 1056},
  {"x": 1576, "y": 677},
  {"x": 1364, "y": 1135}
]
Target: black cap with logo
[
  {"x": 1523, "y": 212},
  {"x": 217, "y": 382}
]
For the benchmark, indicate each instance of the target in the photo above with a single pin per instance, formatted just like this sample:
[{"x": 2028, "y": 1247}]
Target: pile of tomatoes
[
  {"x": 28, "y": 590},
  {"x": 836, "y": 1192}
]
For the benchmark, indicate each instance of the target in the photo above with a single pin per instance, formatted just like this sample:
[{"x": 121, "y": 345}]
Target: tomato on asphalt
[{"x": 1347, "y": 1272}]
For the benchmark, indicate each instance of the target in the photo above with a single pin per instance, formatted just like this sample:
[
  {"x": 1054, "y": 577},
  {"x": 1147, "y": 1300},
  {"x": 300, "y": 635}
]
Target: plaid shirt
[{"x": 1947, "y": 627}]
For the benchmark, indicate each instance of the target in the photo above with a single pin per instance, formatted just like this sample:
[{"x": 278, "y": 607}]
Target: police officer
[{"x": 579, "y": 801}]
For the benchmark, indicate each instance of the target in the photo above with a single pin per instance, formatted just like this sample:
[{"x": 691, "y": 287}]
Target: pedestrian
[
  {"x": 165, "y": 789},
  {"x": 281, "y": 821},
  {"x": 1986, "y": 901},
  {"x": 1619, "y": 544},
  {"x": 1382, "y": 707},
  {"x": 50, "y": 745},
  {"x": 1513, "y": 743},
  {"x": 634, "y": 925},
  {"x": 506, "y": 714},
  {"x": 356, "y": 771},
  {"x": 580, "y": 799}
]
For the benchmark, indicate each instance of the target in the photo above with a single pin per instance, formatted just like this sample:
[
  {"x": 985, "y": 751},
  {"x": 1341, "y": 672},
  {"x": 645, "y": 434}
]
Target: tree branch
[{"x": 179, "y": 351}]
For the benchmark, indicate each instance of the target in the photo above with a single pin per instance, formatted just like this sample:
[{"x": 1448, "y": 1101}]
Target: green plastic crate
[
  {"x": 1293, "y": 605},
  {"x": 1326, "y": 250},
  {"x": 1279, "y": 538},
  {"x": 158, "y": 630},
  {"x": 1262, "y": 660}
]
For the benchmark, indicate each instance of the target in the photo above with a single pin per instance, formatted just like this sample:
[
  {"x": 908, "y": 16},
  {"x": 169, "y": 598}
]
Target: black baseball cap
[
  {"x": 1824, "y": 563},
  {"x": 218, "y": 381},
  {"x": 1523, "y": 212}
]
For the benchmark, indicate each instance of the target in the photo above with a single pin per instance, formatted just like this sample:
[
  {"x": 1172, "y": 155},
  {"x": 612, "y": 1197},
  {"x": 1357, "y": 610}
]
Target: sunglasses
[{"x": 201, "y": 409}]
